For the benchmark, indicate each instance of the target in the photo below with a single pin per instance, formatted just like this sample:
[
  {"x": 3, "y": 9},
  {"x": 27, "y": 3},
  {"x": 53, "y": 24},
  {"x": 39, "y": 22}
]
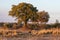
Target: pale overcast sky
[{"x": 51, "y": 6}]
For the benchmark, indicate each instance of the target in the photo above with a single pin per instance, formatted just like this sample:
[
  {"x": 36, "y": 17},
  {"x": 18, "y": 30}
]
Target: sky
[{"x": 50, "y": 6}]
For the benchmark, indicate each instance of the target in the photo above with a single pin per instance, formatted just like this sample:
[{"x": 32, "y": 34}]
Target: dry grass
[
  {"x": 13, "y": 32},
  {"x": 19, "y": 34}
]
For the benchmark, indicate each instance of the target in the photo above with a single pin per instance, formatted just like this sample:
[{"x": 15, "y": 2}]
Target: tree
[
  {"x": 43, "y": 16},
  {"x": 23, "y": 11},
  {"x": 57, "y": 21}
]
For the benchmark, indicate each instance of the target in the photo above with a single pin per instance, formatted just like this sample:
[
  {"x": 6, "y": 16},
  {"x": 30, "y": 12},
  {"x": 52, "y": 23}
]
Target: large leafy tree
[{"x": 24, "y": 12}]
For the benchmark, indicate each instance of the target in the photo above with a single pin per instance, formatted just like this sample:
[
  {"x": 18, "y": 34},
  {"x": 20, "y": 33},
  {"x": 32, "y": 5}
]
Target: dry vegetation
[{"x": 6, "y": 31}]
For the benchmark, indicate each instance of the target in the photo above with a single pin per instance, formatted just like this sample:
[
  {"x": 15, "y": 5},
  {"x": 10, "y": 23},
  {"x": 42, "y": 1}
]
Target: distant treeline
[{"x": 30, "y": 26}]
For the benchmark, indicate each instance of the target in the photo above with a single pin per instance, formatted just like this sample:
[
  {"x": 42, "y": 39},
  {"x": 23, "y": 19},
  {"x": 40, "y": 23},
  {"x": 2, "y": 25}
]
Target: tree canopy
[
  {"x": 43, "y": 16},
  {"x": 25, "y": 11}
]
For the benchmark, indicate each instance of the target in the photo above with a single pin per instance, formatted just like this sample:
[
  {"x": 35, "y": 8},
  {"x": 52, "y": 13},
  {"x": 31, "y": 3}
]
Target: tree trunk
[{"x": 25, "y": 26}]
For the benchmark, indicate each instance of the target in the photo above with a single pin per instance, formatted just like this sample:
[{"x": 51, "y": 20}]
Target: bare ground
[{"x": 32, "y": 37}]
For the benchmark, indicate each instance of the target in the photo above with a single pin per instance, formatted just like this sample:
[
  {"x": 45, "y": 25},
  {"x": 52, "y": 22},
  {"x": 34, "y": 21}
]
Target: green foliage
[
  {"x": 43, "y": 16},
  {"x": 23, "y": 11},
  {"x": 48, "y": 26},
  {"x": 33, "y": 26},
  {"x": 8, "y": 25},
  {"x": 55, "y": 25},
  {"x": 1, "y": 24}
]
